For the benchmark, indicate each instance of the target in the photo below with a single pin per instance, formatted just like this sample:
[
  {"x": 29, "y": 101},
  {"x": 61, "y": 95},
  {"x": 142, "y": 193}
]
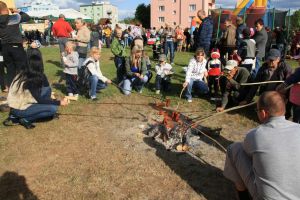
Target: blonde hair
[
  {"x": 135, "y": 49},
  {"x": 70, "y": 44},
  {"x": 3, "y": 6},
  {"x": 93, "y": 51}
]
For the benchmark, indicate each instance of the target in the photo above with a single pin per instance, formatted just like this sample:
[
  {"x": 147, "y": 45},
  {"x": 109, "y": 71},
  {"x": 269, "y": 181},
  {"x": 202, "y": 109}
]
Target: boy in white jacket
[
  {"x": 195, "y": 75},
  {"x": 97, "y": 80},
  {"x": 163, "y": 74}
]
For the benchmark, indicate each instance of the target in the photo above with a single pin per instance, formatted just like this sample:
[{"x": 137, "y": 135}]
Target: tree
[
  {"x": 142, "y": 14},
  {"x": 295, "y": 20}
]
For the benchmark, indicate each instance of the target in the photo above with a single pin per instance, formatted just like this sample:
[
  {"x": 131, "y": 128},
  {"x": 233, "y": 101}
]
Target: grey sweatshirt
[{"x": 71, "y": 62}]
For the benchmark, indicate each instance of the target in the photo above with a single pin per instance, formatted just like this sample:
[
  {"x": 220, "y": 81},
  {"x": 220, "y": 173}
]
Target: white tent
[{"x": 69, "y": 14}]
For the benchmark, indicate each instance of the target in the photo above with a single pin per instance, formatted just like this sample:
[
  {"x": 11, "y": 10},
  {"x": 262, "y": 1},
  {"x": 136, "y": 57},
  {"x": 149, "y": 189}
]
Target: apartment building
[
  {"x": 177, "y": 12},
  {"x": 97, "y": 10}
]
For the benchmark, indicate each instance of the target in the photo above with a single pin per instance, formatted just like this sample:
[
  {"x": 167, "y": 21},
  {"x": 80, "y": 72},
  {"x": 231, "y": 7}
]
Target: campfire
[{"x": 176, "y": 130}]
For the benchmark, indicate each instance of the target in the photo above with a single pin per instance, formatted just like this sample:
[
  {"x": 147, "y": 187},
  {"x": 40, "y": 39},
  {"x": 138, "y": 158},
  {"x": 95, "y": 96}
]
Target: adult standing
[
  {"x": 204, "y": 34},
  {"x": 267, "y": 162},
  {"x": 239, "y": 30},
  {"x": 83, "y": 37},
  {"x": 261, "y": 38},
  {"x": 62, "y": 31},
  {"x": 168, "y": 36},
  {"x": 228, "y": 40},
  {"x": 12, "y": 42}
]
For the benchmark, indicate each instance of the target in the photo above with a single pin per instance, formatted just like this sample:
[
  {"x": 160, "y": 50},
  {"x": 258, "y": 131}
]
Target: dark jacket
[
  {"x": 9, "y": 28},
  {"x": 205, "y": 32},
  {"x": 293, "y": 78},
  {"x": 261, "y": 38},
  {"x": 265, "y": 74},
  {"x": 242, "y": 76},
  {"x": 239, "y": 34}
]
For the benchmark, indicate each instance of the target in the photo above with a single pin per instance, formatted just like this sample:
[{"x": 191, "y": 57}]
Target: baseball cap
[
  {"x": 273, "y": 54},
  {"x": 230, "y": 64}
]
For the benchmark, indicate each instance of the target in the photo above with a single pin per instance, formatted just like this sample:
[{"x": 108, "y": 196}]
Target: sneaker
[
  {"x": 140, "y": 91},
  {"x": 190, "y": 100},
  {"x": 157, "y": 92},
  {"x": 70, "y": 94},
  {"x": 76, "y": 95},
  {"x": 11, "y": 121},
  {"x": 94, "y": 98}
]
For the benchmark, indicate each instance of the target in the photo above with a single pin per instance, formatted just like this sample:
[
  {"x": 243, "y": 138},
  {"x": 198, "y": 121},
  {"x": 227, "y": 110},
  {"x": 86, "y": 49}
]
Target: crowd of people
[{"x": 231, "y": 70}]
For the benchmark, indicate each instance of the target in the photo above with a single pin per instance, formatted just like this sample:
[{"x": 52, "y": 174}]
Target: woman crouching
[
  {"x": 29, "y": 96},
  {"x": 136, "y": 70}
]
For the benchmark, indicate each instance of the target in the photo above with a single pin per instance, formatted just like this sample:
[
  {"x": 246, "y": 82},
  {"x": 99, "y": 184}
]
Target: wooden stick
[{"x": 225, "y": 111}]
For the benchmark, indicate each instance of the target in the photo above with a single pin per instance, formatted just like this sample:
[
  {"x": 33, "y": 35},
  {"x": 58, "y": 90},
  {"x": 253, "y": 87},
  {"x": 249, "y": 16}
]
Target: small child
[
  {"x": 119, "y": 51},
  {"x": 214, "y": 72},
  {"x": 71, "y": 60},
  {"x": 97, "y": 80},
  {"x": 163, "y": 74}
]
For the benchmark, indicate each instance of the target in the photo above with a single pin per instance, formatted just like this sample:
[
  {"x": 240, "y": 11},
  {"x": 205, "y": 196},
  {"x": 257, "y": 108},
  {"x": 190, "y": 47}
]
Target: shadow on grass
[
  {"x": 204, "y": 178},
  {"x": 14, "y": 186},
  {"x": 54, "y": 62}
]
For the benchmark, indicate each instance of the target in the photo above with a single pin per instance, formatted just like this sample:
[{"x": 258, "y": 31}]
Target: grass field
[{"x": 97, "y": 151}]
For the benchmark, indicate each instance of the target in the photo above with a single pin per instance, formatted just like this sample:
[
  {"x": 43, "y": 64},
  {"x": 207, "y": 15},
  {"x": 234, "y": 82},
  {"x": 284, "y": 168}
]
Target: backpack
[{"x": 83, "y": 79}]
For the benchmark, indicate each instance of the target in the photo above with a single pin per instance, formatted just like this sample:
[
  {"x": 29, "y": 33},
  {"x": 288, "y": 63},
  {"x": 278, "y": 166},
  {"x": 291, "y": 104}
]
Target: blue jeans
[
  {"x": 169, "y": 45},
  {"x": 37, "y": 111},
  {"x": 96, "y": 85},
  {"x": 200, "y": 86},
  {"x": 257, "y": 66},
  {"x": 133, "y": 82},
  {"x": 119, "y": 63}
]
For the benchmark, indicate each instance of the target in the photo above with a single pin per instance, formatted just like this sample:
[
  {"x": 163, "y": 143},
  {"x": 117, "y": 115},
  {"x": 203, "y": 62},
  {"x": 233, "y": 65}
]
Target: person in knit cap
[{"x": 214, "y": 72}]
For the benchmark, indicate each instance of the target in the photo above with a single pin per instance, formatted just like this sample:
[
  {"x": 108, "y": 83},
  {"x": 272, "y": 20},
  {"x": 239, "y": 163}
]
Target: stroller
[{"x": 157, "y": 49}]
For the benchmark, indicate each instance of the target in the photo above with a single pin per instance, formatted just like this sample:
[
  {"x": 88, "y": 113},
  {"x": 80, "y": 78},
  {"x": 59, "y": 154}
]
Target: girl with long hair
[
  {"x": 136, "y": 70},
  {"x": 29, "y": 96}
]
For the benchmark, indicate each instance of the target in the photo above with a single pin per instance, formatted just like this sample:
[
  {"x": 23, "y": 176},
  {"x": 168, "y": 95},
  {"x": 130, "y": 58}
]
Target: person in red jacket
[{"x": 62, "y": 31}]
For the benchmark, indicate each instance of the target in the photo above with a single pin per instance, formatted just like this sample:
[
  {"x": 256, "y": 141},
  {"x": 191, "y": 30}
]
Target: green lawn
[{"x": 54, "y": 73}]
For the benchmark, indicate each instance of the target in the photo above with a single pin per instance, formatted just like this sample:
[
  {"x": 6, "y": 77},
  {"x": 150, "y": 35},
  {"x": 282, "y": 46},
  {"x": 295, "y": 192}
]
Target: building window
[
  {"x": 161, "y": 19},
  {"x": 174, "y": 23},
  {"x": 174, "y": 1},
  {"x": 192, "y": 7},
  {"x": 174, "y": 12},
  {"x": 161, "y": 8}
]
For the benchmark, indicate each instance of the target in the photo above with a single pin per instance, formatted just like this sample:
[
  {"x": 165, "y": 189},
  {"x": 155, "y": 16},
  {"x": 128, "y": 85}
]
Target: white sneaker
[
  {"x": 157, "y": 92},
  {"x": 141, "y": 91},
  {"x": 190, "y": 100},
  {"x": 70, "y": 94}
]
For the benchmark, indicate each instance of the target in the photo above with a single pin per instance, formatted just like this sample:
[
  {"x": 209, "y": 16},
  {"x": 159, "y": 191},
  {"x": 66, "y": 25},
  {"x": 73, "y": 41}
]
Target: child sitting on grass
[
  {"x": 97, "y": 80},
  {"x": 163, "y": 74},
  {"x": 71, "y": 60}
]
